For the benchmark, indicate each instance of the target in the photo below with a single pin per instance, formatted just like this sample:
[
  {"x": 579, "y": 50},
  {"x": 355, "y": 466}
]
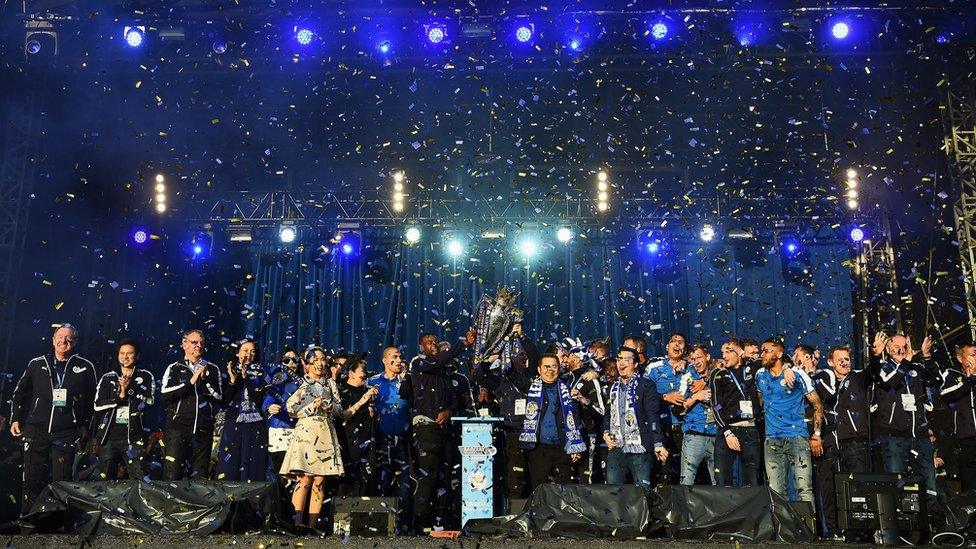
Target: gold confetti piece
[{"x": 58, "y": 306}]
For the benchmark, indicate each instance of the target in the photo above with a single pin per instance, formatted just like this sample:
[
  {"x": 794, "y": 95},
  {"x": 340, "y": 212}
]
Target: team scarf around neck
[
  {"x": 628, "y": 432},
  {"x": 533, "y": 409}
]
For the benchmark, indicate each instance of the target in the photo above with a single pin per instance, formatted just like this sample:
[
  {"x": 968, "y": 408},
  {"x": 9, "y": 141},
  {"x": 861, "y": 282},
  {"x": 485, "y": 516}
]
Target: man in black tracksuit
[
  {"x": 901, "y": 399},
  {"x": 122, "y": 399},
  {"x": 192, "y": 392},
  {"x": 508, "y": 391},
  {"x": 735, "y": 404},
  {"x": 959, "y": 392},
  {"x": 431, "y": 395},
  {"x": 846, "y": 398},
  {"x": 584, "y": 385},
  {"x": 51, "y": 408}
]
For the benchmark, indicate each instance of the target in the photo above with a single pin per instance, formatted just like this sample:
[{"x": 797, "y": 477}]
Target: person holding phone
[{"x": 314, "y": 452}]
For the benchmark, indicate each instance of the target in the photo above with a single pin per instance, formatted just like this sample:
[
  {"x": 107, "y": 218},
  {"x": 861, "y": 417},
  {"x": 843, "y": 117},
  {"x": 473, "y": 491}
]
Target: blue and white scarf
[
  {"x": 533, "y": 410},
  {"x": 629, "y": 432}
]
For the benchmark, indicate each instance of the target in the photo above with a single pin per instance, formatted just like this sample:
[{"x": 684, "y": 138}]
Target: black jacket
[
  {"x": 847, "y": 405},
  {"x": 591, "y": 414},
  {"x": 138, "y": 399},
  {"x": 256, "y": 386},
  {"x": 648, "y": 405},
  {"x": 32, "y": 402},
  {"x": 729, "y": 387},
  {"x": 428, "y": 386},
  {"x": 894, "y": 386},
  {"x": 189, "y": 405},
  {"x": 959, "y": 392},
  {"x": 507, "y": 388}
]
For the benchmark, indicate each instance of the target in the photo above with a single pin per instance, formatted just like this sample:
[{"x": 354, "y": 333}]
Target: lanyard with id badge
[
  {"x": 59, "y": 395},
  {"x": 745, "y": 405}
]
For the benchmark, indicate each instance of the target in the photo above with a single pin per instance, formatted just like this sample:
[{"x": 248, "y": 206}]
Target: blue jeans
[
  {"x": 898, "y": 451},
  {"x": 639, "y": 466},
  {"x": 785, "y": 455},
  {"x": 694, "y": 449}
]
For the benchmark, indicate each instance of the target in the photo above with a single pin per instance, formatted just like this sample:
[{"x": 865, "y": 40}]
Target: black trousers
[
  {"x": 516, "y": 467},
  {"x": 432, "y": 473},
  {"x": 47, "y": 458},
  {"x": 669, "y": 472},
  {"x": 966, "y": 448},
  {"x": 549, "y": 464},
  {"x": 750, "y": 457},
  {"x": 183, "y": 447},
  {"x": 119, "y": 452},
  {"x": 853, "y": 456}
]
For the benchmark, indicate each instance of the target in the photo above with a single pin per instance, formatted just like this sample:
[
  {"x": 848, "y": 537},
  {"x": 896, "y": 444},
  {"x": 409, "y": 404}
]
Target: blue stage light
[
  {"x": 436, "y": 34},
  {"x": 350, "y": 245},
  {"x": 134, "y": 36},
  {"x": 857, "y": 234},
  {"x": 200, "y": 245},
  {"x": 659, "y": 30},
  {"x": 840, "y": 30},
  {"x": 942, "y": 38},
  {"x": 304, "y": 36},
  {"x": 140, "y": 237},
  {"x": 790, "y": 246},
  {"x": 524, "y": 32},
  {"x": 219, "y": 46},
  {"x": 384, "y": 47},
  {"x": 653, "y": 247},
  {"x": 575, "y": 44},
  {"x": 287, "y": 234}
]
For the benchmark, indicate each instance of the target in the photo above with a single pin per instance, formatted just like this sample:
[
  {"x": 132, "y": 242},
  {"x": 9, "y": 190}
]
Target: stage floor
[{"x": 260, "y": 541}]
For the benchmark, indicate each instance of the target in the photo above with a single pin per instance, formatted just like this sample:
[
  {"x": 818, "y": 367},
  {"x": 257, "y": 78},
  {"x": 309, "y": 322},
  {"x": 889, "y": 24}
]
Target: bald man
[
  {"x": 393, "y": 467},
  {"x": 51, "y": 408}
]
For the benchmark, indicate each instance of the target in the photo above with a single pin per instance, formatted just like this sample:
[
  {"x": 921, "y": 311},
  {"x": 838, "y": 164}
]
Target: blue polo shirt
[
  {"x": 666, "y": 381},
  {"x": 696, "y": 417},
  {"x": 393, "y": 411},
  {"x": 784, "y": 407}
]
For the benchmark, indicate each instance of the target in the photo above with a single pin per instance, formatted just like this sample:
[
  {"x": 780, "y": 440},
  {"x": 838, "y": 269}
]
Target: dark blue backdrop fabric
[{"x": 392, "y": 293}]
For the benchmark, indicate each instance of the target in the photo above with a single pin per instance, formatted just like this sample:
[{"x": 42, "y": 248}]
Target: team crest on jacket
[
  {"x": 531, "y": 410},
  {"x": 78, "y": 369}
]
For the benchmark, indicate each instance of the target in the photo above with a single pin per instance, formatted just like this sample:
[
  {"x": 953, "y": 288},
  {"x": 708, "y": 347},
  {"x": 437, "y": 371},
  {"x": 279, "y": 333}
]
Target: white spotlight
[
  {"x": 564, "y": 234},
  {"x": 528, "y": 248},
  {"x": 287, "y": 234},
  {"x": 398, "y": 177},
  {"x": 707, "y": 233},
  {"x": 160, "y": 178},
  {"x": 601, "y": 176},
  {"x": 413, "y": 235},
  {"x": 851, "y": 173},
  {"x": 455, "y": 248}
]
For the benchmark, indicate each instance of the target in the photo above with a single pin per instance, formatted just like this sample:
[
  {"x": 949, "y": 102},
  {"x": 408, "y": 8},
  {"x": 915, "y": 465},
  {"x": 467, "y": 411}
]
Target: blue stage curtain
[{"x": 394, "y": 292}]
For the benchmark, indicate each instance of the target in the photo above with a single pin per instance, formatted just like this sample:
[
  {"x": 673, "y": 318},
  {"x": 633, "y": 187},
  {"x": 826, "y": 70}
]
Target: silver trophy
[{"x": 493, "y": 326}]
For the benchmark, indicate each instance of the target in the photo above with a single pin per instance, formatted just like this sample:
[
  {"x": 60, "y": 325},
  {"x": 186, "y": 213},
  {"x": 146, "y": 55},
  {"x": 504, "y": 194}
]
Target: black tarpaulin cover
[
  {"x": 133, "y": 506},
  {"x": 574, "y": 511},
  {"x": 718, "y": 512},
  {"x": 678, "y": 512}
]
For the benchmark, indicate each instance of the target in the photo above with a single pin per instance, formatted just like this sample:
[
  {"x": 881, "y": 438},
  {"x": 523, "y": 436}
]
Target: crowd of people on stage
[{"x": 574, "y": 412}]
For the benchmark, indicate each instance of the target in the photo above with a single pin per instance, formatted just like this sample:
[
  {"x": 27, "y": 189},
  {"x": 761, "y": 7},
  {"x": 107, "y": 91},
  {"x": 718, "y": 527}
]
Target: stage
[{"x": 261, "y": 541}]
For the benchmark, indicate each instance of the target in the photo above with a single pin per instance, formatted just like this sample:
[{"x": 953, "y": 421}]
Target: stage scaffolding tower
[
  {"x": 960, "y": 128},
  {"x": 878, "y": 305}
]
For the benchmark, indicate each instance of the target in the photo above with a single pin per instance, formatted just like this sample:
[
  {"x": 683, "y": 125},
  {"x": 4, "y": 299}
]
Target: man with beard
[
  {"x": 735, "y": 406},
  {"x": 666, "y": 373},
  {"x": 846, "y": 398},
  {"x": 787, "y": 447},
  {"x": 698, "y": 429}
]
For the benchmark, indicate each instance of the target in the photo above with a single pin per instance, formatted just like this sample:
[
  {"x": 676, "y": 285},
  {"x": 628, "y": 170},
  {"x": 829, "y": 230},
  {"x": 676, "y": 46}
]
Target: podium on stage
[{"x": 477, "y": 457}]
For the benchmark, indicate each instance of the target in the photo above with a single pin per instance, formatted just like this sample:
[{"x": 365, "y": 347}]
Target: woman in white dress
[{"x": 313, "y": 452}]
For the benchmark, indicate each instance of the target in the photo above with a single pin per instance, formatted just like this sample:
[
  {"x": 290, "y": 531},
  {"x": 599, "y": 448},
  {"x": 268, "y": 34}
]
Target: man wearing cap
[{"x": 586, "y": 391}]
